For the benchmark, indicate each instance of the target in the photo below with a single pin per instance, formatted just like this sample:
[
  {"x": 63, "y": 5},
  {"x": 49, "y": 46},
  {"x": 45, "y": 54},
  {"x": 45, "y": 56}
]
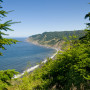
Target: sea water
[{"x": 23, "y": 55}]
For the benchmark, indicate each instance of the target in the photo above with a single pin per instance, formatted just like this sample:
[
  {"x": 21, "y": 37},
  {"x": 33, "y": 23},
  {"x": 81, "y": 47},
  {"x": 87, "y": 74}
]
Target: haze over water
[{"x": 23, "y": 54}]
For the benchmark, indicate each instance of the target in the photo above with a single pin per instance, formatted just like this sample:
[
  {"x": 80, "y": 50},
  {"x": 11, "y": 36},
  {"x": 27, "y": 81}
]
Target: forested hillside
[{"x": 55, "y": 39}]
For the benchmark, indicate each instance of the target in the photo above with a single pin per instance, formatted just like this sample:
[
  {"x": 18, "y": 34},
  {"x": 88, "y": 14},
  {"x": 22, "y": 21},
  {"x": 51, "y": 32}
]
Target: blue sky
[{"x": 38, "y": 16}]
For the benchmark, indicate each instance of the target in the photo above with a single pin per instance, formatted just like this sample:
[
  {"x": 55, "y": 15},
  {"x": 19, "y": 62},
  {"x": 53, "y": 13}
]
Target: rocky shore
[{"x": 57, "y": 46}]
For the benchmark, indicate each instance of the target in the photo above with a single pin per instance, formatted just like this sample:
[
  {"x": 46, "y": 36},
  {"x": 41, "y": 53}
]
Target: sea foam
[{"x": 33, "y": 68}]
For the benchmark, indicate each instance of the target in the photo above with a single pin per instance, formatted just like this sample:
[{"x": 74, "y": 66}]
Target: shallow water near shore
[{"x": 23, "y": 55}]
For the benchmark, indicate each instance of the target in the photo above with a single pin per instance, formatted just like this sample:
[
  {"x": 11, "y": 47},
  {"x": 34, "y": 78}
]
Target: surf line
[{"x": 34, "y": 67}]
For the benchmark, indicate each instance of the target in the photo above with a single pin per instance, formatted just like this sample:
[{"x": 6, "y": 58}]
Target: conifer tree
[
  {"x": 5, "y": 75},
  {"x": 5, "y": 27}
]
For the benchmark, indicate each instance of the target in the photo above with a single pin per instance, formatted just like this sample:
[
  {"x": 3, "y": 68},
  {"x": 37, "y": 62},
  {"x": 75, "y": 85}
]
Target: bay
[{"x": 23, "y": 55}]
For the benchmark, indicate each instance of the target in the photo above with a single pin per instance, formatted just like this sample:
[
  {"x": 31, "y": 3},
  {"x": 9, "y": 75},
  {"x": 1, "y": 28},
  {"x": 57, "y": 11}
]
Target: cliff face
[
  {"x": 58, "y": 45},
  {"x": 54, "y": 39}
]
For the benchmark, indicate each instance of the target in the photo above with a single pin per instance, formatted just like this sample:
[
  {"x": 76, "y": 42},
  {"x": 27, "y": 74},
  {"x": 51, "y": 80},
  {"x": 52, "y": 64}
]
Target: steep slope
[{"x": 54, "y": 39}]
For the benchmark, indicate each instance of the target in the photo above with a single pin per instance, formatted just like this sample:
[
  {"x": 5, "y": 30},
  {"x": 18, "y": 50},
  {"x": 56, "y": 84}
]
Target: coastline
[
  {"x": 47, "y": 46},
  {"x": 36, "y": 66}
]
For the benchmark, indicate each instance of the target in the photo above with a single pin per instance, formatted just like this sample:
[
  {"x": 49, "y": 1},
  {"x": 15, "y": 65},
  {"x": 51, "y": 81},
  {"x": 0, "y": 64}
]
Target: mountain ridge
[{"x": 54, "y": 39}]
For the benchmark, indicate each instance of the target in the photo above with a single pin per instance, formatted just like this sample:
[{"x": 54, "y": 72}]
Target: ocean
[{"x": 23, "y": 55}]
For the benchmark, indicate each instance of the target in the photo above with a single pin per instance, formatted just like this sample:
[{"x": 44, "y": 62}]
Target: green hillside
[{"x": 54, "y": 39}]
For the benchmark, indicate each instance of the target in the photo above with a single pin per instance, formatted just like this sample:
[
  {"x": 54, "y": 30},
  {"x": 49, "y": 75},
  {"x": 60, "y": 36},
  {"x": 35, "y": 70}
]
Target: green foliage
[
  {"x": 5, "y": 77},
  {"x": 5, "y": 27},
  {"x": 87, "y": 16}
]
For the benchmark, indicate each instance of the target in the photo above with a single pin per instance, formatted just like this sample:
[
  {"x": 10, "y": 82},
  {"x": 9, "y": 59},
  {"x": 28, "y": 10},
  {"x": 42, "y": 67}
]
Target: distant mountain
[{"x": 54, "y": 39}]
